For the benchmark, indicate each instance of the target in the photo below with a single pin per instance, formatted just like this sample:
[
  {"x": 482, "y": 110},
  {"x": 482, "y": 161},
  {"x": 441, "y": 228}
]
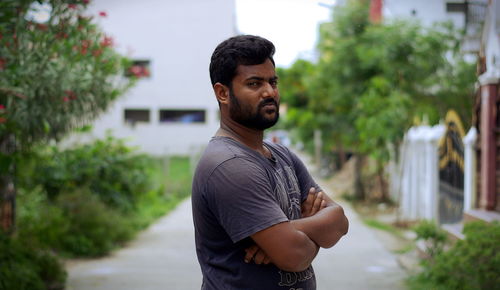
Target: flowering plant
[{"x": 58, "y": 70}]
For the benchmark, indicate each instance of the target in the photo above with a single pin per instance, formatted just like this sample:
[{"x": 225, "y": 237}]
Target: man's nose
[{"x": 269, "y": 91}]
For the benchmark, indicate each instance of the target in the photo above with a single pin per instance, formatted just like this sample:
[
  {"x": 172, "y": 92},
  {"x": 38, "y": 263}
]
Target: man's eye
[
  {"x": 253, "y": 84},
  {"x": 274, "y": 83}
]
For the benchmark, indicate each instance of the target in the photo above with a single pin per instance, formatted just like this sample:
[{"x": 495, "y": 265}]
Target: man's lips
[{"x": 269, "y": 105}]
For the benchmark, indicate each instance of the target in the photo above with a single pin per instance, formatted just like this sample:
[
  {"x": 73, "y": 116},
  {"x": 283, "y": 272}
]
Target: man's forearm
[{"x": 326, "y": 227}]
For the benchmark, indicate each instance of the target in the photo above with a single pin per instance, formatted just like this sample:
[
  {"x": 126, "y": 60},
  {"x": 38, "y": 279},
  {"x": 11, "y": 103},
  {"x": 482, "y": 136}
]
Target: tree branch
[{"x": 14, "y": 93}]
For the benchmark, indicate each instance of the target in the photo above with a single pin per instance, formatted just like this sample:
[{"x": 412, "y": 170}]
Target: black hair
[{"x": 238, "y": 50}]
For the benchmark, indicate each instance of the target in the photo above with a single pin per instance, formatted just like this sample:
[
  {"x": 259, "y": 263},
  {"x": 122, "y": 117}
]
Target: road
[{"x": 163, "y": 257}]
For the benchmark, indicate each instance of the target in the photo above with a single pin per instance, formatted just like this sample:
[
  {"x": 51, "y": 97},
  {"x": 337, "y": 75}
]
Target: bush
[
  {"x": 472, "y": 263},
  {"x": 433, "y": 236},
  {"x": 75, "y": 224},
  {"x": 24, "y": 268},
  {"x": 87, "y": 200},
  {"x": 40, "y": 223},
  {"x": 108, "y": 168},
  {"x": 94, "y": 228}
]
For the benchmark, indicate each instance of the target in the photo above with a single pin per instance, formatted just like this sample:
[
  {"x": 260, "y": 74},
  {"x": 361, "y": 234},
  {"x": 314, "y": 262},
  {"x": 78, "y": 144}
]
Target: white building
[
  {"x": 427, "y": 12},
  {"x": 467, "y": 15},
  {"x": 174, "y": 109}
]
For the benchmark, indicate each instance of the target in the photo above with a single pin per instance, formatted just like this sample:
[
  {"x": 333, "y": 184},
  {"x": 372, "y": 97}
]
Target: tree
[
  {"x": 373, "y": 81},
  {"x": 56, "y": 74},
  {"x": 294, "y": 93}
]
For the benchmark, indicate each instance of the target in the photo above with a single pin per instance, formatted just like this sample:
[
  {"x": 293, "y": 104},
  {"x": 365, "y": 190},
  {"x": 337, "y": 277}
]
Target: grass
[
  {"x": 406, "y": 249},
  {"x": 376, "y": 224},
  {"x": 394, "y": 239},
  {"x": 176, "y": 181}
]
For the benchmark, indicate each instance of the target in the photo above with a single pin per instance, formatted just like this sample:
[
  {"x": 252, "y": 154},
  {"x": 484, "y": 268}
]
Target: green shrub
[
  {"x": 87, "y": 200},
  {"x": 433, "y": 236},
  {"x": 40, "y": 223},
  {"x": 94, "y": 228},
  {"x": 472, "y": 263},
  {"x": 25, "y": 268},
  {"x": 110, "y": 169}
]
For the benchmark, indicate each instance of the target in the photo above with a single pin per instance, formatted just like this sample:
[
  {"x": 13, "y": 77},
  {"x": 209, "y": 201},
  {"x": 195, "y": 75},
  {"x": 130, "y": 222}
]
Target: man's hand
[
  {"x": 293, "y": 245},
  {"x": 257, "y": 255},
  {"x": 313, "y": 204}
]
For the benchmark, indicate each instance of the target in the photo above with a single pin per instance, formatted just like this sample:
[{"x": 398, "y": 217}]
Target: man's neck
[{"x": 250, "y": 137}]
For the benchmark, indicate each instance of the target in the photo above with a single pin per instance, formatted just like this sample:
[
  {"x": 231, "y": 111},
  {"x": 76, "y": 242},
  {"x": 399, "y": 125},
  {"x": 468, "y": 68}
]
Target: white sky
[{"x": 292, "y": 25}]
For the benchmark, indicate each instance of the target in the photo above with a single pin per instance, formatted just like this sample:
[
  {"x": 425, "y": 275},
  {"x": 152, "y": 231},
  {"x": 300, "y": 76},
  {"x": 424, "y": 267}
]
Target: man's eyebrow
[{"x": 274, "y": 78}]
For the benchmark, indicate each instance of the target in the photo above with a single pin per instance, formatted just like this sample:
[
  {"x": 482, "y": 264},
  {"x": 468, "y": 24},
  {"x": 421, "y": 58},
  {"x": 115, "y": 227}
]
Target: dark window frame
[
  {"x": 136, "y": 115},
  {"x": 182, "y": 116}
]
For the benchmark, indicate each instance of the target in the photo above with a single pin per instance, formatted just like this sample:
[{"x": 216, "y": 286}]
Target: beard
[{"x": 244, "y": 114}]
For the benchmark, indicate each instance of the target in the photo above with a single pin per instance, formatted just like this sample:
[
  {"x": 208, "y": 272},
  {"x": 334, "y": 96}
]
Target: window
[
  {"x": 140, "y": 68},
  {"x": 455, "y": 7},
  {"x": 182, "y": 116},
  {"x": 133, "y": 116}
]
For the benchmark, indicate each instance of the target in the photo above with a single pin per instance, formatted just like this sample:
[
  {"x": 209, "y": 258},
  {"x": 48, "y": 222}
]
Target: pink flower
[
  {"x": 136, "y": 70},
  {"x": 107, "y": 41},
  {"x": 61, "y": 35},
  {"x": 139, "y": 71},
  {"x": 97, "y": 52},
  {"x": 65, "y": 99},
  {"x": 103, "y": 14},
  {"x": 86, "y": 1},
  {"x": 72, "y": 6},
  {"x": 2, "y": 107},
  {"x": 86, "y": 43},
  {"x": 70, "y": 95}
]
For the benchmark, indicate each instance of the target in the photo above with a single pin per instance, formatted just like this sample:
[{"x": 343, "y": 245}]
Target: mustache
[{"x": 267, "y": 102}]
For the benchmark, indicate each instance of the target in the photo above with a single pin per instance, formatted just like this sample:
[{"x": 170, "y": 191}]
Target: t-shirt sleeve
[{"x": 240, "y": 194}]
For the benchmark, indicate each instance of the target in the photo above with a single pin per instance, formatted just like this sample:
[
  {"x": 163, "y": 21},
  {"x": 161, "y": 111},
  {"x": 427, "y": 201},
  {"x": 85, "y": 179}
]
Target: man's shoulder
[{"x": 221, "y": 150}]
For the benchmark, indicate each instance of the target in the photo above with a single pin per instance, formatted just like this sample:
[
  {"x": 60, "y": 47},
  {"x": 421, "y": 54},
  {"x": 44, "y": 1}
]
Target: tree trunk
[
  {"x": 342, "y": 157},
  {"x": 383, "y": 184},
  {"x": 7, "y": 187},
  {"x": 359, "y": 190}
]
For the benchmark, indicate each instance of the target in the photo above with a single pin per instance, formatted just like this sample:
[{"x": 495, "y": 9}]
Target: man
[{"x": 259, "y": 217}]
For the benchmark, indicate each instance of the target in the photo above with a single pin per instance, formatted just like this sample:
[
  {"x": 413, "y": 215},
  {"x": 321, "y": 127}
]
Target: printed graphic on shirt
[
  {"x": 287, "y": 193},
  {"x": 291, "y": 278}
]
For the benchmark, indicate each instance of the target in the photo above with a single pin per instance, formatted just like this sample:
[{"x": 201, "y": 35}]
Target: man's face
[{"x": 254, "y": 96}]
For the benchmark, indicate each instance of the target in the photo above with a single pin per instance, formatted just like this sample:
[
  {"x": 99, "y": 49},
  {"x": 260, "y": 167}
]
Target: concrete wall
[
  {"x": 427, "y": 12},
  {"x": 418, "y": 187},
  {"x": 178, "y": 38}
]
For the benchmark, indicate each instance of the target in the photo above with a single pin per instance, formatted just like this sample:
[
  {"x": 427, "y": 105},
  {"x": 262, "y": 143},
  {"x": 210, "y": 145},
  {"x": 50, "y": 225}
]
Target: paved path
[{"x": 163, "y": 257}]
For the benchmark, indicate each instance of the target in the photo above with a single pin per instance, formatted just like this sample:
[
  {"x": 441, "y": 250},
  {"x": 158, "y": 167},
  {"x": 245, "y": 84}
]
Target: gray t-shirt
[{"x": 236, "y": 193}]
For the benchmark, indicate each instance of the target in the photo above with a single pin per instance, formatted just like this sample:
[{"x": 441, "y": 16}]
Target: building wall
[
  {"x": 177, "y": 38},
  {"x": 427, "y": 12}
]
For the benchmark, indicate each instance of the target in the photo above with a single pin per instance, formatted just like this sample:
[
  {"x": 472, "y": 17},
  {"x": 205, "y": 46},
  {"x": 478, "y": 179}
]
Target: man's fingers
[
  {"x": 266, "y": 261},
  {"x": 317, "y": 203},
  {"x": 259, "y": 257},
  {"x": 306, "y": 206},
  {"x": 250, "y": 253},
  {"x": 311, "y": 196}
]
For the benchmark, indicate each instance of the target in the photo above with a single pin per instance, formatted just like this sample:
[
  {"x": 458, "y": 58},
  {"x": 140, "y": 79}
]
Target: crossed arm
[{"x": 293, "y": 245}]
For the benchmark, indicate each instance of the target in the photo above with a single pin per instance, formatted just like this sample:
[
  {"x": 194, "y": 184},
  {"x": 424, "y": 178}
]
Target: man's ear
[{"x": 221, "y": 93}]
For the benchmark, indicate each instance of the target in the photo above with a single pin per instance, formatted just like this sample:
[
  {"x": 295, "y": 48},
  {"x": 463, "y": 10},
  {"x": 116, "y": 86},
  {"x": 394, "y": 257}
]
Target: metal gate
[{"x": 451, "y": 171}]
